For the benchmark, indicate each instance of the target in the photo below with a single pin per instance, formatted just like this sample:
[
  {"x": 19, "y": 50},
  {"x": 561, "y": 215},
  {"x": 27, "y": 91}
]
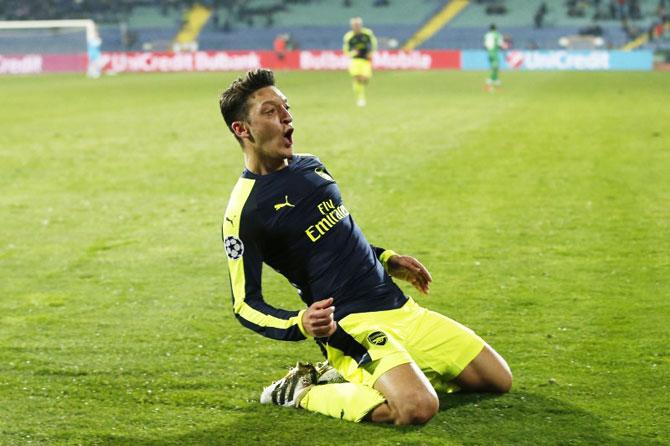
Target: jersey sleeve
[
  {"x": 245, "y": 263},
  {"x": 378, "y": 251},
  {"x": 373, "y": 43},
  {"x": 383, "y": 255}
]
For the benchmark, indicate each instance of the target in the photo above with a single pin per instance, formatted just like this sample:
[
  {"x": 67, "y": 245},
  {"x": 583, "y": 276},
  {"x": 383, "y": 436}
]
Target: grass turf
[{"x": 542, "y": 212}]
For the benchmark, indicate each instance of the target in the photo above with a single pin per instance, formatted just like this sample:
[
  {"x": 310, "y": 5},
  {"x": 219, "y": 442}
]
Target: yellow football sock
[
  {"x": 347, "y": 401},
  {"x": 359, "y": 90}
]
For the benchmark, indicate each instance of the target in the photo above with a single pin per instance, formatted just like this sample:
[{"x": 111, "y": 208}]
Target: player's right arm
[
  {"x": 241, "y": 235},
  {"x": 245, "y": 265},
  {"x": 249, "y": 306}
]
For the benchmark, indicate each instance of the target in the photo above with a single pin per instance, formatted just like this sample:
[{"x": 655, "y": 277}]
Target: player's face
[{"x": 269, "y": 124}]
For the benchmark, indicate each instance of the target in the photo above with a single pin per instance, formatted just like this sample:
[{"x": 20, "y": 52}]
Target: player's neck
[{"x": 263, "y": 166}]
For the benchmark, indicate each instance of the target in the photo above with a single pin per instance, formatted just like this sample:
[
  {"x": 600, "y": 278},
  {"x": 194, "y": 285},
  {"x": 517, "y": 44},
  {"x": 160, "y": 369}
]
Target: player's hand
[
  {"x": 318, "y": 321},
  {"x": 410, "y": 270}
]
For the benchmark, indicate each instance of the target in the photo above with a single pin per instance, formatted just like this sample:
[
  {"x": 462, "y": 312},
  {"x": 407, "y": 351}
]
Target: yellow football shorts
[
  {"x": 440, "y": 346},
  {"x": 360, "y": 67}
]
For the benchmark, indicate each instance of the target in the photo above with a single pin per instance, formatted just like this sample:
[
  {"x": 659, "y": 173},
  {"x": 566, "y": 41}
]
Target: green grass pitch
[{"x": 542, "y": 211}]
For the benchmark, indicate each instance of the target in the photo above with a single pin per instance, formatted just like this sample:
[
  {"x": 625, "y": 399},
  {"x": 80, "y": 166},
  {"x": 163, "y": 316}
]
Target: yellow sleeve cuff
[
  {"x": 300, "y": 326},
  {"x": 384, "y": 258}
]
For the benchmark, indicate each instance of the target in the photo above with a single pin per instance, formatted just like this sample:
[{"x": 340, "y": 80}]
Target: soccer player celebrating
[
  {"x": 359, "y": 44},
  {"x": 493, "y": 42},
  {"x": 286, "y": 211}
]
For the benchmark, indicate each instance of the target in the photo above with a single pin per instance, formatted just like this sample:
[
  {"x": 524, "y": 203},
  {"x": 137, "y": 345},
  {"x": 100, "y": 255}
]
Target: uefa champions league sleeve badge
[{"x": 234, "y": 247}]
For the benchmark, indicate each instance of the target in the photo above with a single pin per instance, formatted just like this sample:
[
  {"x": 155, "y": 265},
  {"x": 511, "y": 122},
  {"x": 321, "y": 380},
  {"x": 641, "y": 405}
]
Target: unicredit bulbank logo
[
  {"x": 558, "y": 60},
  {"x": 514, "y": 59}
]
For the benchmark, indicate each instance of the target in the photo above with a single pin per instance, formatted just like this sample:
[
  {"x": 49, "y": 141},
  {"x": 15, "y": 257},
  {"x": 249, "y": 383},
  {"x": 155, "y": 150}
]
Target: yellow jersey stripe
[
  {"x": 265, "y": 320},
  {"x": 231, "y": 227}
]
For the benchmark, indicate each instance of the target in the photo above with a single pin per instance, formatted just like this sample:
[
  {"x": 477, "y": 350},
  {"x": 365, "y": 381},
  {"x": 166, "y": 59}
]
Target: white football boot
[
  {"x": 289, "y": 390},
  {"x": 327, "y": 374}
]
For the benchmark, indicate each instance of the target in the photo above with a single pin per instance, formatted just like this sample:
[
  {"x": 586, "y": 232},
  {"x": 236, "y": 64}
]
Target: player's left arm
[
  {"x": 373, "y": 45},
  {"x": 409, "y": 269},
  {"x": 405, "y": 268}
]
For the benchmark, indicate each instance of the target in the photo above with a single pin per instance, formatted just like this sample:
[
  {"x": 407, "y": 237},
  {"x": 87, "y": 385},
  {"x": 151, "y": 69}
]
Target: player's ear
[{"x": 240, "y": 129}]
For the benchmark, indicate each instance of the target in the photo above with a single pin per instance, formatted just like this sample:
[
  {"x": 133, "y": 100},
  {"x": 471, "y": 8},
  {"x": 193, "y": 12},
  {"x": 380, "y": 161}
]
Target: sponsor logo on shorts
[{"x": 377, "y": 338}]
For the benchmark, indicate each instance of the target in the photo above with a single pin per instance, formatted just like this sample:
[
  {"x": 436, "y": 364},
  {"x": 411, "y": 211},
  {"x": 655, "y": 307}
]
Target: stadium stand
[
  {"x": 320, "y": 24},
  {"x": 195, "y": 19},
  {"x": 234, "y": 24},
  {"x": 151, "y": 27},
  {"x": 516, "y": 19},
  {"x": 562, "y": 19},
  {"x": 123, "y": 25},
  {"x": 313, "y": 24},
  {"x": 435, "y": 23}
]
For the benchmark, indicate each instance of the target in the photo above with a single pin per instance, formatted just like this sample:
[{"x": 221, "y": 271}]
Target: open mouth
[{"x": 288, "y": 137}]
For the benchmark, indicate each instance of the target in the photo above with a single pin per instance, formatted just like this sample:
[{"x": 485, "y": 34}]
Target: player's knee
[
  {"x": 417, "y": 410},
  {"x": 506, "y": 382},
  {"x": 502, "y": 383}
]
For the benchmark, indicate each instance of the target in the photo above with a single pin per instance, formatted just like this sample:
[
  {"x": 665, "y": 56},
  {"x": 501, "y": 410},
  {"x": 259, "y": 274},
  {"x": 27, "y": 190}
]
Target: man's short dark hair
[{"x": 233, "y": 101}]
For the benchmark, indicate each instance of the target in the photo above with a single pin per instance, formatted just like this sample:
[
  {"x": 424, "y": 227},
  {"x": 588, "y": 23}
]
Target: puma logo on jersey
[{"x": 281, "y": 205}]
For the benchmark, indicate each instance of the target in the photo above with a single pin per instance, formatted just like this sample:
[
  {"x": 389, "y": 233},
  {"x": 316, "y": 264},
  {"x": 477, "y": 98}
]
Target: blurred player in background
[
  {"x": 286, "y": 211},
  {"x": 359, "y": 44},
  {"x": 93, "y": 44},
  {"x": 493, "y": 42}
]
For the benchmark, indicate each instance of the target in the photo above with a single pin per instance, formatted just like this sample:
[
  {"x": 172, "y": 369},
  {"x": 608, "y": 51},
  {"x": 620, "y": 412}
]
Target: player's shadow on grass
[{"x": 519, "y": 417}]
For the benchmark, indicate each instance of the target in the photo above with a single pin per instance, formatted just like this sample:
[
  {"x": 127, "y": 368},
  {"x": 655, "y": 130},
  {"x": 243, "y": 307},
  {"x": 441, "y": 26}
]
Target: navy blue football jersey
[{"x": 295, "y": 221}]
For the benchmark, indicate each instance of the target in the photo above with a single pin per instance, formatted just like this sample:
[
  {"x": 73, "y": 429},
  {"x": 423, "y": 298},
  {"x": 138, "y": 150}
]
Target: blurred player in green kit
[{"x": 493, "y": 42}]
